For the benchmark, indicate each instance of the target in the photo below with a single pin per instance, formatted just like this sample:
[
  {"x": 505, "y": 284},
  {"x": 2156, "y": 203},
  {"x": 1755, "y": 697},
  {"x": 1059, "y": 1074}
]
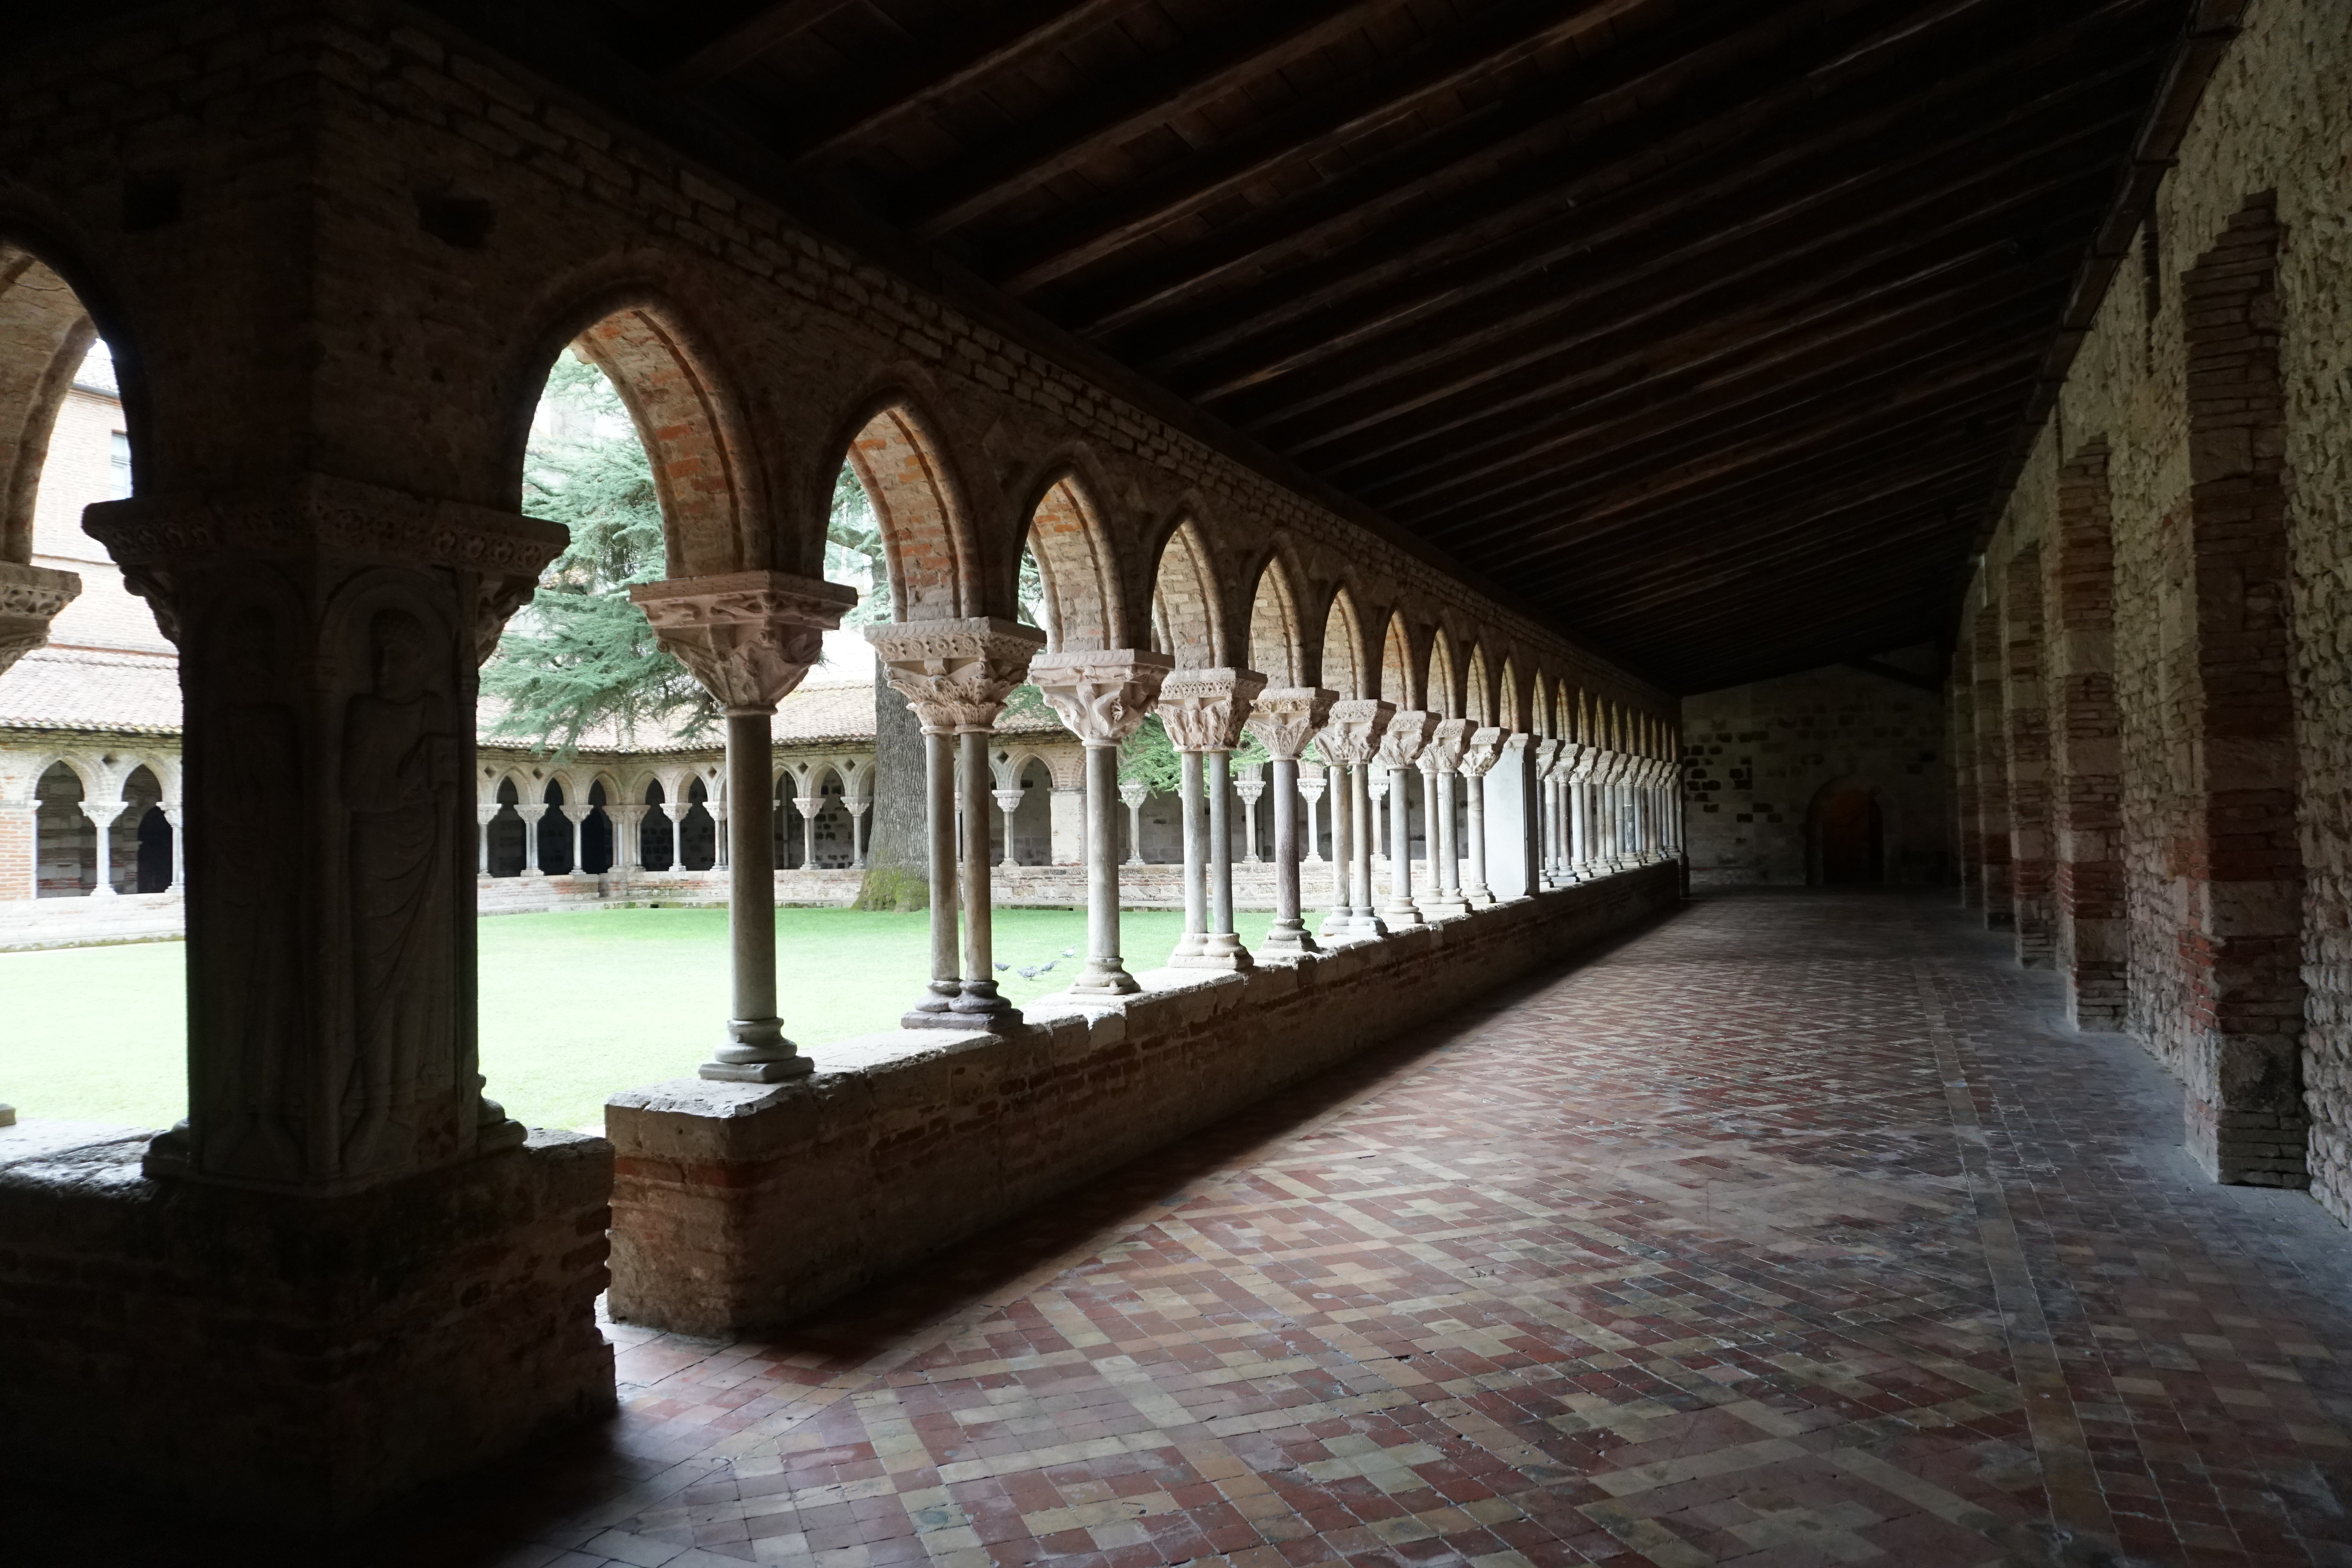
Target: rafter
[{"x": 771, "y": 28}]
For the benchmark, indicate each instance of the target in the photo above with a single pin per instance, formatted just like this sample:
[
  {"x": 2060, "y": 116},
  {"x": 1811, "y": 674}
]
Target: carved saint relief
[{"x": 400, "y": 767}]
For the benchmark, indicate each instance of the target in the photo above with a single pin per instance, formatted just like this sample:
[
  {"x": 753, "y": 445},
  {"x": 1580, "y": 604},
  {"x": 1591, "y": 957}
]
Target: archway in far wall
[{"x": 1845, "y": 836}]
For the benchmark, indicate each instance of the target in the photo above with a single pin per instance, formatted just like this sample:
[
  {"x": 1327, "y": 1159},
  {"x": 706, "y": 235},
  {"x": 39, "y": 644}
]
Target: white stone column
[
  {"x": 1204, "y": 711},
  {"x": 1548, "y": 823},
  {"x": 808, "y": 806},
  {"x": 1250, "y": 785},
  {"x": 955, "y": 675},
  {"x": 530, "y": 816},
  {"x": 718, "y": 809},
  {"x": 1479, "y": 755},
  {"x": 1102, "y": 697},
  {"x": 1133, "y": 793},
  {"x": 1283, "y": 719},
  {"x": 1378, "y": 840},
  {"x": 1008, "y": 801},
  {"x": 1312, "y": 776},
  {"x": 578, "y": 817},
  {"x": 171, "y": 810},
  {"x": 1190, "y": 816},
  {"x": 749, "y": 638},
  {"x": 1354, "y": 733},
  {"x": 1440, "y": 763},
  {"x": 485, "y": 816},
  {"x": 102, "y": 815},
  {"x": 856, "y": 808}
]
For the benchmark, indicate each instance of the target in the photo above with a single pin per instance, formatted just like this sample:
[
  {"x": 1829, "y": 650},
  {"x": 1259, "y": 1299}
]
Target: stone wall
[
  {"x": 364, "y": 1344},
  {"x": 737, "y": 1205},
  {"x": 2180, "y": 530},
  {"x": 1757, "y": 759}
]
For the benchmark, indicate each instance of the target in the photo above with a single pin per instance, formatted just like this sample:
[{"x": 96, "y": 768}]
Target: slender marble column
[
  {"x": 1189, "y": 941},
  {"x": 578, "y": 817},
  {"x": 1441, "y": 762},
  {"x": 1408, "y": 733},
  {"x": 1354, "y": 732},
  {"x": 1133, "y": 793},
  {"x": 1102, "y": 697},
  {"x": 531, "y": 817},
  {"x": 980, "y": 999},
  {"x": 1224, "y": 947},
  {"x": 856, "y": 809},
  {"x": 1250, "y": 786},
  {"x": 1008, "y": 801},
  {"x": 1204, "y": 711},
  {"x": 486, "y": 815},
  {"x": 749, "y": 638},
  {"x": 1341, "y": 918},
  {"x": 808, "y": 806},
  {"x": 1310, "y": 791},
  {"x": 102, "y": 815},
  {"x": 1546, "y": 815},
  {"x": 1283, "y": 719}
]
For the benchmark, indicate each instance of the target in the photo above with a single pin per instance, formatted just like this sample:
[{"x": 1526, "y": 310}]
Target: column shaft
[
  {"x": 1103, "y": 973},
  {"x": 939, "y": 821},
  {"x": 1196, "y": 856},
  {"x": 1223, "y": 946},
  {"x": 756, "y": 1050},
  {"x": 1289, "y": 931},
  {"x": 979, "y": 1001}
]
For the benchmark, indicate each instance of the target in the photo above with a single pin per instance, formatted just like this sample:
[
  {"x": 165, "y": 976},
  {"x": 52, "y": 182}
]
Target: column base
[
  {"x": 1479, "y": 897},
  {"x": 783, "y": 1069},
  {"x": 1109, "y": 981},
  {"x": 1445, "y": 908},
  {"x": 756, "y": 1053},
  {"x": 1218, "y": 950},
  {"x": 1403, "y": 916},
  {"x": 1281, "y": 942},
  {"x": 979, "y": 1006}
]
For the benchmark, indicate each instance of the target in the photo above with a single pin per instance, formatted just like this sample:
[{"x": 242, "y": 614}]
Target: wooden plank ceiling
[{"x": 1703, "y": 326}]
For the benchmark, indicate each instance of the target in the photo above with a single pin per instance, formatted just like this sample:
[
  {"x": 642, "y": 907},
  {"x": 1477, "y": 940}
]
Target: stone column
[
  {"x": 102, "y": 815},
  {"x": 628, "y": 835},
  {"x": 1479, "y": 756},
  {"x": 578, "y": 817},
  {"x": 2027, "y": 742},
  {"x": 2087, "y": 758},
  {"x": 1548, "y": 816},
  {"x": 532, "y": 815},
  {"x": 808, "y": 806},
  {"x": 1408, "y": 733},
  {"x": 1441, "y": 763},
  {"x": 1989, "y": 712},
  {"x": 172, "y": 818},
  {"x": 1133, "y": 793},
  {"x": 1376, "y": 836},
  {"x": 749, "y": 638},
  {"x": 330, "y": 632},
  {"x": 1580, "y": 823},
  {"x": 1250, "y": 786},
  {"x": 1312, "y": 776},
  {"x": 718, "y": 809},
  {"x": 955, "y": 675},
  {"x": 1283, "y": 719},
  {"x": 1348, "y": 741},
  {"x": 1008, "y": 801},
  {"x": 1102, "y": 697},
  {"x": 484, "y": 816},
  {"x": 1204, "y": 711},
  {"x": 856, "y": 808}
]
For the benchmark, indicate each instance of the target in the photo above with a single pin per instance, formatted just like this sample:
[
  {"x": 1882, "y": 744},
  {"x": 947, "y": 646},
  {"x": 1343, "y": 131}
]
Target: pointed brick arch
[
  {"x": 1080, "y": 573},
  {"x": 1276, "y": 642},
  {"x": 1343, "y": 648},
  {"x": 926, "y": 541},
  {"x": 1478, "y": 705},
  {"x": 1397, "y": 664},
  {"x": 1439, "y": 686},
  {"x": 1187, "y": 606},
  {"x": 691, "y": 432}
]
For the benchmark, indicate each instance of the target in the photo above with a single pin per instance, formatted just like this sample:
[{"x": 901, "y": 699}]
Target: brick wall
[{"x": 1757, "y": 759}]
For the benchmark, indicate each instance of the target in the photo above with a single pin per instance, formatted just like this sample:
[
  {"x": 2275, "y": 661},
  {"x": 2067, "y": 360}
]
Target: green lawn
[{"x": 575, "y": 1005}]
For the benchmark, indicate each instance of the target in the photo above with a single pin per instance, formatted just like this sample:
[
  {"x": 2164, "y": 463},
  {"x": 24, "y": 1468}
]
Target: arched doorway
[{"x": 1849, "y": 836}]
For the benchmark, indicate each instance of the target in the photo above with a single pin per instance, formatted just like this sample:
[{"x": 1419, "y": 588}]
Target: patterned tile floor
[{"x": 1794, "y": 1230}]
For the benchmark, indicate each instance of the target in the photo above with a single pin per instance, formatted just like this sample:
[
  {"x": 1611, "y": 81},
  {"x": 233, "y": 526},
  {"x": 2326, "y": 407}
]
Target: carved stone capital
[
  {"x": 1102, "y": 697},
  {"x": 1284, "y": 718},
  {"x": 1408, "y": 732},
  {"x": 955, "y": 675},
  {"x": 749, "y": 637},
  {"x": 157, "y": 539},
  {"x": 1448, "y": 738},
  {"x": 1481, "y": 751},
  {"x": 30, "y": 598},
  {"x": 1204, "y": 710},
  {"x": 1546, "y": 755},
  {"x": 1353, "y": 732}
]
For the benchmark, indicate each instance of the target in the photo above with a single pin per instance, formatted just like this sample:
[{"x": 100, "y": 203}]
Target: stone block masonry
[
  {"x": 367, "y": 1344},
  {"x": 737, "y": 1205}
]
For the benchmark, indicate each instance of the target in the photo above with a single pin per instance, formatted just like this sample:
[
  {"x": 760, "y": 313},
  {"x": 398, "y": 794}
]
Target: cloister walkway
[{"x": 1795, "y": 1229}]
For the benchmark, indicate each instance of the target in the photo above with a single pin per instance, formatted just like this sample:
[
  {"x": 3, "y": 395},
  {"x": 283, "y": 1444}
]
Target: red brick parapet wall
[{"x": 741, "y": 1204}]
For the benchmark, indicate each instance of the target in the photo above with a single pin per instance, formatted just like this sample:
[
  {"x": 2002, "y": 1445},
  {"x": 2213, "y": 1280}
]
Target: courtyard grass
[{"x": 575, "y": 1005}]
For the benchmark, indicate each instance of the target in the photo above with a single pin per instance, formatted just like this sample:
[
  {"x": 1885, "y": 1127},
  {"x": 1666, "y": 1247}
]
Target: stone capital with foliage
[
  {"x": 1102, "y": 696},
  {"x": 1205, "y": 710},
  {"x": 749, "y": 637},
  {"x": 1480, "y": 751},
  {"x": 1284, "y": 718},
  {"x": 1448, "y": 738},
  {"x": 30, "y": 598},
  {"x": 1353, "y": 736},
  {"x": 955, "y": 675},
  {"x": 1408, "y": 732}
]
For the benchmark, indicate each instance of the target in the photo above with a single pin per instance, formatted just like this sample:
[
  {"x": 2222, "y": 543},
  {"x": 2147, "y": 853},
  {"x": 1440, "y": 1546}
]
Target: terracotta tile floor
[{"x": 1795, "y": 1231}]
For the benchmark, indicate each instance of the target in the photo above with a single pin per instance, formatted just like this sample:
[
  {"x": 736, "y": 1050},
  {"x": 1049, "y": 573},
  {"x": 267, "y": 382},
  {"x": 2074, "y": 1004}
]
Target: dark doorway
[{"x": 1849, "y": 834}]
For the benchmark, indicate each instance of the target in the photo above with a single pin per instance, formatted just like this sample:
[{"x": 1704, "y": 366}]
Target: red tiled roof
[{"x": 72, "y": 689}]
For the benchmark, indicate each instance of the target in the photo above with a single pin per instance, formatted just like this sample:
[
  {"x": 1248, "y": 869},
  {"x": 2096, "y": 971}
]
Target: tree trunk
[{"x": 897, "y": 844}]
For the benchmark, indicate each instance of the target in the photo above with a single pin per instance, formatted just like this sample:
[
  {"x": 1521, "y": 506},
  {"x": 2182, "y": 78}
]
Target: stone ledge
[
  {"x": 744, "y": 1206},
  {"x": 365, "y": 1344}
]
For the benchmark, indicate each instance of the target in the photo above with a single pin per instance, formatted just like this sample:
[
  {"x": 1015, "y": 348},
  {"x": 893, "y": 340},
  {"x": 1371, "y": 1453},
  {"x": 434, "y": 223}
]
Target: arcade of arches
[{"x": 1993, "y": 572}]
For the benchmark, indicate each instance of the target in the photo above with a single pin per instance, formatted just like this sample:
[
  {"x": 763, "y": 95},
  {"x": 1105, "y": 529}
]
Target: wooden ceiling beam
[
  {"x": 1324, "y": 121},
  {"x": 947, "y": 62},
  {"x": 1795, "y": 120},
  {"x": 1649, "y": 312},
  {"x": 770, "y": 27},
  {"x": 1220, "y": 61}
]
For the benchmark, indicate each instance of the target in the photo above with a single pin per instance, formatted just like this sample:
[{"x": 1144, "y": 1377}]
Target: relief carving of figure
[{"x": 399, "y": 778}]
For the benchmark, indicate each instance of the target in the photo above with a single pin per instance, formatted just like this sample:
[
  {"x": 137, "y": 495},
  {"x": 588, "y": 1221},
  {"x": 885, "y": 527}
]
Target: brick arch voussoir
[
  {"x": 1066, "y": 522},
  {"x": 923, "y": 482},
  {"x": 1188, "y": 598},
  {"x": 1281, "y": 643}
]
